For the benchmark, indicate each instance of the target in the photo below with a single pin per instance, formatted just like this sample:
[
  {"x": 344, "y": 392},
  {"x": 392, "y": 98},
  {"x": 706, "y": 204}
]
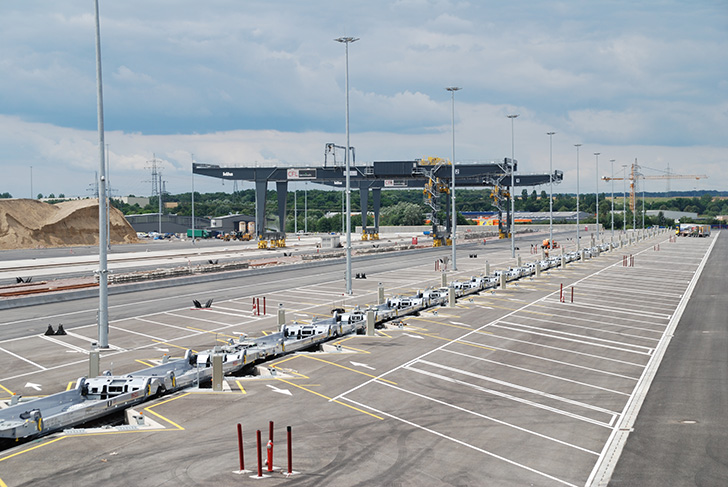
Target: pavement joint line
[
  {"x": 490, "y": 418},
  {"x": 346, "y": 368},
  {"x": 460, "y": 442},
  {"x": 482, "y": 359},
  {"x": 331, "y": 399},
  {"x": 614, "y": 445},
  {"x": 519, "y": 387},
  {"x": 573, "y": 325},
  {"x": 531, "y": 327}
]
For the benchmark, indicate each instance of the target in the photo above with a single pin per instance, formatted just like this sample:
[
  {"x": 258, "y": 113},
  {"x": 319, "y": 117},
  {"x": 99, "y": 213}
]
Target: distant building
[
  {"x": 149, "y": 222},
  {"x": 133, "y": 200},
  {"x": 233, "y": 223}
]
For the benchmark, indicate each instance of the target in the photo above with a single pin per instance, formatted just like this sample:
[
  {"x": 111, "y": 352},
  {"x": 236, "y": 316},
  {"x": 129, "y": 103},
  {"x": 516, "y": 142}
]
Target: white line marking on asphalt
[
  {"x": 538, "y": 357},
  {"x": 517, "y": 387},
  {"x": 592, "y": 328},
  {"x": 458, "y": 323},
  {"x": 64, "y": 344},
  {"x": 535, "y": 372},
  {"x": 587, "y": 337},
  {"x": 22, "y": 358},
  {"x": 460, "y": 442}
]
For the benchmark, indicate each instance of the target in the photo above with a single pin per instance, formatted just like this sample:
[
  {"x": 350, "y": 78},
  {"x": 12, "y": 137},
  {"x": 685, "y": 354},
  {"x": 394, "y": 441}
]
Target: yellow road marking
[
  {"x": 332, "y": 400},
  {"x": 285, "y": 360},
  {"x": 3, "y": 484},
  {"x": 149, "y": 410},
  {"x": 173, "y": 345},
  {"x": 357, "y": 349},
  {"x": 242, "y": 390},
  {"x": 383, "y": 333},
  {"x": 70, "y": 384},
  {"x": 348, "y": 368},
  {"x": 32, "y": 448},
  {"x": 265, "y": 333},
  {"x": 6, "y": 390},
  {"x": 143, "y": 363}
]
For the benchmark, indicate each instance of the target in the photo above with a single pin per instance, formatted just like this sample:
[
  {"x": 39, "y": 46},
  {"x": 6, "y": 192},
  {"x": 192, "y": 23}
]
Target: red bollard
[
  {"x": 290, "y": 454},
  {"x": 253, "y": 305},
  {"x": 264, "y": 305},
  {"x": 240, "y": 447},
  {"x": 572, "y": 294},
  {"x": 260, "y": 458},
  {"x": 257, "y": 306},
  {"x": 270, "y": 455},
  {"x": 561, "y": 293}
]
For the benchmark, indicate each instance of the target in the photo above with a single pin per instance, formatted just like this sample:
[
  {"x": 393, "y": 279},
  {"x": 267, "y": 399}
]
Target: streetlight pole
[
  {"x": 452, "y": 90},
  {"x": 346, "y": 41},
  {"x": 193, "y": 199},
  {"x": 551, "y": 189},
  {"x": 596, "y": 155},
  {"x": 624, "y": 198},
  {"x": 513, "y": 188},
  {"x": 612, "y": 161},
  {"x": 577, "y": 196},
  {"x": 103, "y": 318}
]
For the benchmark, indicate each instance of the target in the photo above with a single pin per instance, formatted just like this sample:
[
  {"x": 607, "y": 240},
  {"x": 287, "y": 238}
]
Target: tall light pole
[
  {"x": 596, "y": 155},
  {"x": 103, "y": 319},
  {"x": 577, "y": 196},
  {"x": 551, "y": 189},
  {"x": 624, "y": 198},
  {"x": 193, "y": 200},
  {"x": 452, "y": 90},
  {"x": 513, "y": 188},
  {"x": 612, "y": 161},
  {"x": 346, "y": 41}
]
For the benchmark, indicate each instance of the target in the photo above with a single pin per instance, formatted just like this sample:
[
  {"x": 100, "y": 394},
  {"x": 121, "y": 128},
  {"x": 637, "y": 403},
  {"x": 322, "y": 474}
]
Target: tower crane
[{"x": 635, "y": 174}]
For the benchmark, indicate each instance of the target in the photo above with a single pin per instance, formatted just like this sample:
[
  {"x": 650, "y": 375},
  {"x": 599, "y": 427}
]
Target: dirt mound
[{"x": 28, "y": 224}]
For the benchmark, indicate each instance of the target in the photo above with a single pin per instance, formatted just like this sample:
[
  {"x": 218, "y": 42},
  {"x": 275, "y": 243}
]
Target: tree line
[{"x": 406, "y": 207}]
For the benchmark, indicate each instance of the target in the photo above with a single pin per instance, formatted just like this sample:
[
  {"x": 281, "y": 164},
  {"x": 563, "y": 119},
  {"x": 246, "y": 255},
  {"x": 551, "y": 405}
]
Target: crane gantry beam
[{"x": 634, "y": 175}]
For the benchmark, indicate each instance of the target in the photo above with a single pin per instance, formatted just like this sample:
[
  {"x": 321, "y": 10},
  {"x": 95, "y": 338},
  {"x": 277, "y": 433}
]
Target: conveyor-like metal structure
[{"x": 374, "y": 176}]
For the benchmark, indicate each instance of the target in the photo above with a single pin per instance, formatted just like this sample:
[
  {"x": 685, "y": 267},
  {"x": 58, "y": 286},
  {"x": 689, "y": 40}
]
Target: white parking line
[
  {"x": 64, "y": 344},
  {"x": 540, "y": 345},
  {"x": 583, "y": 342},
  {"x": 587, "y": 337},
  {"x": 514, "y": 386},
  {"x": 491, "y": 454},
  {"x": 23, "y": 359},
  {"x": 600, "y": 330},
  {"x": 482, "y": 359},
  {"x": 574, "y": 310},
  {"x": 489, "y": 418}
]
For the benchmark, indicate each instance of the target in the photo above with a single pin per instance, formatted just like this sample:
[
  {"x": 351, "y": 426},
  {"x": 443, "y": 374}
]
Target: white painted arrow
[
  {"x": 413, "y": 336},
  {"x": 357, "y": 364},
  {"x": 34, "y": 386},
  {"x": 280, "y": 391}
]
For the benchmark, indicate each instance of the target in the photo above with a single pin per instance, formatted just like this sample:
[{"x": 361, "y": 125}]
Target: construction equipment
[{"x": 635, "y": 174}]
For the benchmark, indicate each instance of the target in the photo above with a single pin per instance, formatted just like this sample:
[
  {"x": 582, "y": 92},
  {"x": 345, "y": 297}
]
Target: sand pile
[{"x": 31, "y": 224}]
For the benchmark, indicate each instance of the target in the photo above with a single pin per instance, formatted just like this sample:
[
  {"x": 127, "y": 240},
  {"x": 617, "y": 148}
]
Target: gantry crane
[{"x": 636, "y": 174}]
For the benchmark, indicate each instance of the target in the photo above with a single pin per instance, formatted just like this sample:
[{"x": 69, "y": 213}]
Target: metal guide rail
[{"x": 93, "y": 398}]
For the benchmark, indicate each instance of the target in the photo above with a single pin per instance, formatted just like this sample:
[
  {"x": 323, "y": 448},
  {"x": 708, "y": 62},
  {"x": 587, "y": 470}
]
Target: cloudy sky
[{"x": 250, "y": 82}]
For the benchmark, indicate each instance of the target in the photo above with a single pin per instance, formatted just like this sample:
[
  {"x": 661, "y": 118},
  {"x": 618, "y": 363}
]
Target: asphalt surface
[
  {"x": 681, "y": 434},
  {"x": 515, "y": 387}
]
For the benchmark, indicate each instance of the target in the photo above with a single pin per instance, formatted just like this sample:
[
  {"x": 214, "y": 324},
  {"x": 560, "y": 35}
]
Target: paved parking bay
[{"x": 521, "y": 386}]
